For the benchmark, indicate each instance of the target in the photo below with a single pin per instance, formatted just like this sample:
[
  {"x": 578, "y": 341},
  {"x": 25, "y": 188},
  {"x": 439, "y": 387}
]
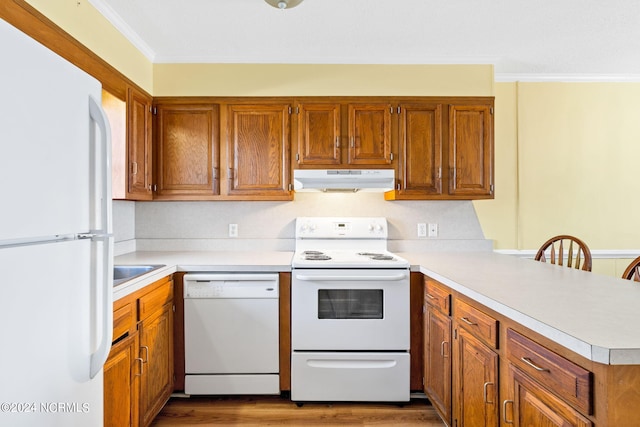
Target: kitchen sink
[{"x": 123, "y": 273}]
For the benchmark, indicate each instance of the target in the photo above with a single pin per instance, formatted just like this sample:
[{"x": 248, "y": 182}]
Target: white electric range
[{"x": 349, "y": 312}]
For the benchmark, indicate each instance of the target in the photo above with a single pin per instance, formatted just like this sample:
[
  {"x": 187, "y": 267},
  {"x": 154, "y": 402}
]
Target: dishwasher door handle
[{"x": 339, "y": 278}]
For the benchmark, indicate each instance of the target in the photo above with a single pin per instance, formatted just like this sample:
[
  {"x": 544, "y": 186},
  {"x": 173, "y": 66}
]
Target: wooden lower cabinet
[
  {"x": 475, "y": 382},
  {"x": 156, "y": 336},
  {"x": 138, "y": 375},
  {"x": 121, "y": 383},
  {"x": 483, "y": 369},
  {"x": 530, "y": 404},
  {"x": 437, "y": 361}
]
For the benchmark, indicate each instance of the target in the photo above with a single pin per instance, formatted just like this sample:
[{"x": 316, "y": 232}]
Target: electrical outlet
[
  {"x": 422, "y": 229},
  {"x": 233, "y": 230},
  {"x": 433, "y": 230}
]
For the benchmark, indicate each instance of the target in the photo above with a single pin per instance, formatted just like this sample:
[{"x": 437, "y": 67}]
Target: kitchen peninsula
[{"x": 583, "y": 322}]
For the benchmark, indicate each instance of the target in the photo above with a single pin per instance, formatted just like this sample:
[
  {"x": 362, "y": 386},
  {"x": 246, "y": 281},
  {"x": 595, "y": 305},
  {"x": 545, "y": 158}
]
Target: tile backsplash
[{"x": 270, "y": 225}]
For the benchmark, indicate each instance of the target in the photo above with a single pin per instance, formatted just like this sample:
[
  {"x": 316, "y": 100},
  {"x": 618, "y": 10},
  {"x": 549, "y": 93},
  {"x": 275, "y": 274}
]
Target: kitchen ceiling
[{"x": 524, "y": 39}]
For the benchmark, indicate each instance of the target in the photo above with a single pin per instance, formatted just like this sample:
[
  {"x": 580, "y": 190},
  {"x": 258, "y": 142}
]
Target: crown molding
[{"x": 124, "y": 28}]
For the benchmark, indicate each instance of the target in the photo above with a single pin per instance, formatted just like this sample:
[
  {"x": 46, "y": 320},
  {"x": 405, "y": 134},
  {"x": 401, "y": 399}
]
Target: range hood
[{"x": 345, "y": 180}]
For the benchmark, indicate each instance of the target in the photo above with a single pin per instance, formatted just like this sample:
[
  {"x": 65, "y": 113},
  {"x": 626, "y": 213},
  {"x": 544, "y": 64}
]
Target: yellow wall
[
  {"x": 82, "y": 21},
  {"x": 325, "y": 79},
  {"x": 567, "y": 158}
]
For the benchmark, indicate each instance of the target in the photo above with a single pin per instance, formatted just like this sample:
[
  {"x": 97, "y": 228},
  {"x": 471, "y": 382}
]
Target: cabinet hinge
[
  {"x": 174, "y": 308},
  {"x": 439, "y": 173},
  {"x": 424, "y": 309},
  {"x": 391, "y": 156},
  {"x": 391, "y": 110},
  {"x": 491, "y": 110},
  {"x": 297, "y": 110},
  {"x": 491, "y": 188},
  {"x": 298, "y": 157},
  {"x": 290, "y": 110},
  {"x": 455, "y": 334},
  {"x": 155, "y": 111},
  {"x": 398, "y": 108},
  {"x": 290, "y": 187}
]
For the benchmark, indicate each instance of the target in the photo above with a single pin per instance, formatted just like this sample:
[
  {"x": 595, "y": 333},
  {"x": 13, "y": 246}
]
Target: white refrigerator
[{"x": 55, "y": 238}]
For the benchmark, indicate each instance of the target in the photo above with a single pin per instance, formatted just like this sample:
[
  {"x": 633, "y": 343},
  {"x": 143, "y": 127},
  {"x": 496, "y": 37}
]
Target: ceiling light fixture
[{"x": 284, "y": 4}]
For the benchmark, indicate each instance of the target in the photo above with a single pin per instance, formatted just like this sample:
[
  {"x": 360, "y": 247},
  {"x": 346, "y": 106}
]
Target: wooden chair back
[
  {"x": 578, "y": 255},
  {"x": 633, "y": 271}
]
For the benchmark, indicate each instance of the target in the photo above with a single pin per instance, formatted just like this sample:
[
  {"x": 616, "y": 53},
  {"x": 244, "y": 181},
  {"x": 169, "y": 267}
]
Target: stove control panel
[{"x": 341, "y": 228}]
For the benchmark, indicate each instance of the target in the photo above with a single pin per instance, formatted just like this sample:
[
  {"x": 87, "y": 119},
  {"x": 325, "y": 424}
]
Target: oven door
[{"x": 350, "y": 310}]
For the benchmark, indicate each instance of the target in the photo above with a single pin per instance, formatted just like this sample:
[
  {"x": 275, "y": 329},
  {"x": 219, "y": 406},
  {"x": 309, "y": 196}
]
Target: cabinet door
[
  {"x": 437, "y": 361},
  {"x": 370, "y": 134},
  {"x": 535, "y": 406},
  {"x": 258, "y": 150},
  {"x": 318, "y": 134},
  {"x": 156, "y": 350},
  {"x": 470, "y": 150},
  {"x": 187, "y": 151},
  {"x": 121, "y": 383},
  {"x": 475, "y": 382},
  {"x": 420, "y": 160},
  {"x": 139, "y": 146}
]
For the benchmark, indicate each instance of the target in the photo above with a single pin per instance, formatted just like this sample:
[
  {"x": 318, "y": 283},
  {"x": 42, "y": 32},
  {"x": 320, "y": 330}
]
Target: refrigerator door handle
[
  {"x": 104, "y": 299},
  {"x": 101, "y": 208},
  {"x": 102, "y": 162}
]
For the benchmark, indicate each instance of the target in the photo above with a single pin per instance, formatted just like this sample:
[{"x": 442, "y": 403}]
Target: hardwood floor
[{"x": 280, "y": 411}]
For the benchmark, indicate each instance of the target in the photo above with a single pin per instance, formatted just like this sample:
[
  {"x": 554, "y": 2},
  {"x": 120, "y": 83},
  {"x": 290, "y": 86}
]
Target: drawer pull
[
  {"x": 468, "y": 322},
  {"x": 484, "y": 392},
  {"x": 430, "y": 296},
  {"x": 533, "y": 365},
  {"x": 504, "y": 411}
]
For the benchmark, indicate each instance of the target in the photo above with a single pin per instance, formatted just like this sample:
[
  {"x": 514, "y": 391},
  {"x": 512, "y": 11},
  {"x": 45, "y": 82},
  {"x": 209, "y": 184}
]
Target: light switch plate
[
  {"x": 233, "y": 230},
  {"x": 433, "y": 230}
]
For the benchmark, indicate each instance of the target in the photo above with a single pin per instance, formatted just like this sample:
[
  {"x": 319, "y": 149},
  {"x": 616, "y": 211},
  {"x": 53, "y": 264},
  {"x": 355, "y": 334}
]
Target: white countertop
[{"x": 591, "y": 314}]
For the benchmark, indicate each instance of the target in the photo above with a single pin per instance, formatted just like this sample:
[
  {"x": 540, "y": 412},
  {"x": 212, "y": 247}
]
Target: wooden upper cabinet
[
  {"x": 340, "y": 133},
  {"x": 420, "y": 149},
  {"x": 139, "y": 145},
  {"x": 187, "y": 153},
  {"x": 130, "y": 123},
  {"x": 470, "y": 150},
  {"x": 370, "y": 134},
  {"x": 319, "y": 134},
  {"x": 257, "y": 150}
]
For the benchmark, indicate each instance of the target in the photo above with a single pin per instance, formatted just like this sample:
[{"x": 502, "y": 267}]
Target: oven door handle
[{"x": 391, "y": 278}]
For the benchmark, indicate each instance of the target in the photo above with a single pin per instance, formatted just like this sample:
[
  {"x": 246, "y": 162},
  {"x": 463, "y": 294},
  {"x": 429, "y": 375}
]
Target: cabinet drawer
[
  {"x": 567, "y": 380},
  {"x": 155, "y": 299},
  {"x": 438, "y": 296},
  {"x": 480, "y": 324},
  {"x": 123, "y": 321}
]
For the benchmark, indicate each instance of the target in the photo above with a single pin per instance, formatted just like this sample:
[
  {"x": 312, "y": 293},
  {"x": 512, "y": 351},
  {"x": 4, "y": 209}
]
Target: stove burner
[
  {"x": 377, "y": 256},
  {"x": 383, "y": 258},
  {"x": 312, "y": 253},
  {"x": 315, "y": 256}
]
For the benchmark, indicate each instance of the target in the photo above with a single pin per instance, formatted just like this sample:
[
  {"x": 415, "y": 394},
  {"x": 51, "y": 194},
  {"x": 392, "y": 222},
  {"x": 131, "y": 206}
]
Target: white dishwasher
[{"x": 231, "y": 333}]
